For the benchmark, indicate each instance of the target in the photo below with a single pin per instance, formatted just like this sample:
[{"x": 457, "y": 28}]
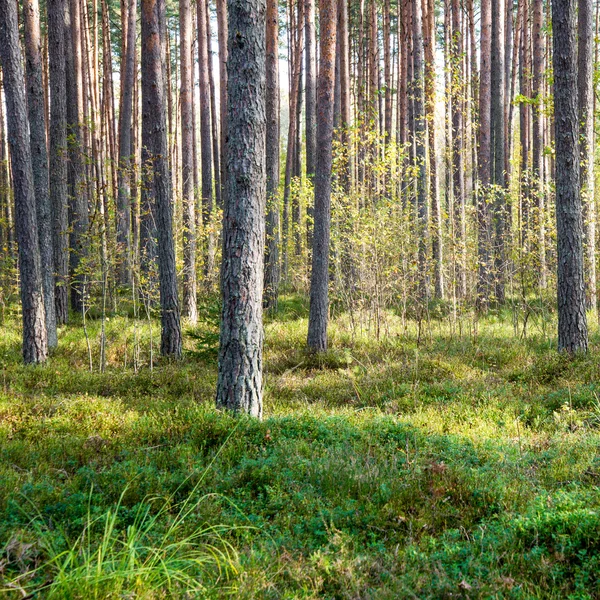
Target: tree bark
[
  {"x": 572, "y": 324},
  {"x": 153, "y": 102},
  {"x": 187, "y": 163},
  {"x": 39, "y": 159},
  {"x": 222, "y": 30},
  {"x": 125, "y": 148},
  {"x": 272, "y": 274},
  {"x": 239, "y": 384},
  {"x": 319, "y": 282},
  {"x": 585, "y": 84},
  {"x": 35, "y": 344}
]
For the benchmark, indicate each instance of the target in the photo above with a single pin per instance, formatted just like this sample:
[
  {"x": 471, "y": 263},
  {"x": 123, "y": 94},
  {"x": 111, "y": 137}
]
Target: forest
[{"x": 299, "y": 299}]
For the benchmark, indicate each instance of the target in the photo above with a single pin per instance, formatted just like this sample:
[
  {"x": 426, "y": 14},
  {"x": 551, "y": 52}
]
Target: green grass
[{"x": 461, "y": 467}]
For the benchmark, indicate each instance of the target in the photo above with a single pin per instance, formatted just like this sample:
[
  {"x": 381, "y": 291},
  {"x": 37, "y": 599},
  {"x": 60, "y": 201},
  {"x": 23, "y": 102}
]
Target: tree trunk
[
  {"x": 572, "y": 324},
  {"x": 585, "y": 84},
  {"x": 187, "y": 163},
  {"x": 311, "y": 106},
  {"x": 35, "y": 344},
  {"x": 222, "y": 29},
  {"x": 153, "y": 102},
  {"x": 319, "y": 281},
  {"x": 78, "y": 205},
  {"x": 205, "y": 140},
  {"x": 271, "y": 283},
  {"x": 39, "y": 159},
  {"x": 239, "y": 384},
  {"x": 538, "y": 136}
]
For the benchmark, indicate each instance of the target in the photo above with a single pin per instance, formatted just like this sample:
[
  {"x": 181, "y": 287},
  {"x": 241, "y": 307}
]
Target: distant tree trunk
[
  {"x": 271, "y": 284},
  {"x": 420, "y": 146},
  {"x": 572, "y": 324},
  {"x": 78, "y": 213},
  {"x": 524, "y": 123},
  {"x": 239, "y": 384},
  {"x": 319, "y": 282},
  {"x": 458, "y": 153},
  {"x": 497, "y": 147},
  {"x": 153, "y": 103},
  {"x": 125, "y": 149},
  {"x": 187, "y": 162},
  {"x": 538, "y": 136},
  {"x": 205, "y": 140},
  {"x": 222, "y": 30},
  {"x": 586, "y": 121},
  {"x": 434, "y": 187},
  {"x": 345, "y": 98},
  {"x": 387, "y": 71},
  {"x": 213, "y": 117},
  {"x": 58, "y": 185},
  {"x": 311, "y": 104},
  {"x": 35, "y": 344},
  {"x": 39, "y": 159},
  {"x": 484, "y": 249}
]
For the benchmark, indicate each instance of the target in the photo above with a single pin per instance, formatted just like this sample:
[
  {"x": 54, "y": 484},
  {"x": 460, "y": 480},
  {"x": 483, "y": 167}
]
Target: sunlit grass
[{"x": 461, "y": 462}]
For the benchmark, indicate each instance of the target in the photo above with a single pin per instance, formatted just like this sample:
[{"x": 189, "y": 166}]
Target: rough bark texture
[
  {"x": 39, "y": 159},
  {"x": 58, "y": 152},
  {"x": 319, "y": 281},
  {"x": 572, "y": 324},
  {"x": 190, "y": 309},
  {"x": 153, "y": 103},
  {"x": 239, "y": 384},
  {"x": 35, "y": 345},
  {"x": 585, "y": 86},
  {"x": 125, "y": 149},
  {"x": 271, "y": 285}
]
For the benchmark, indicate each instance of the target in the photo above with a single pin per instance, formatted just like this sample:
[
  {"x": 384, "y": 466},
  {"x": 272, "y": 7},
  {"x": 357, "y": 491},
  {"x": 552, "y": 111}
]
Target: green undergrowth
[{"x": 462, "y": 466}]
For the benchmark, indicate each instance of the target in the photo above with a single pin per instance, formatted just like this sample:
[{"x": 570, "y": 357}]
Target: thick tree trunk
[
  {"x": 187, "y": 162},
  {"x": 39, "y": 159},
  {"x": 35, "y": 344},
  {"x": 319, "y": 282},
  {"x": 586, "y": 121},
  {"x": 153, "y": 103},
  {"x": 572, "y": 324},
  {"x": 239, "y": 384},
  {"x": 271, "y": 284},
  {"x": 125, "y": 149}
]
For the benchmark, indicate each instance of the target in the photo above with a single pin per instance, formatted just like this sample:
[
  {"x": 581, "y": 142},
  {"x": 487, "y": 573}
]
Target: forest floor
[{"x": 463, "y": 466}]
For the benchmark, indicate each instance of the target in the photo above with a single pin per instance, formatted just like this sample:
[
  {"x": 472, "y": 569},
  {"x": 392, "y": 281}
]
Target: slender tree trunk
[
  {"x": 187, "y": 162},
  {"x": 271, "y": 283},
  {"x": 205, "y": 140},
  {"x": 78, "y": 213},
  {"x": 125, "y": 149},
  {"x": 213, "y": 117},
  {"x": 239, "y": 384},
  {"x": 586, "y": 121},
  {"x": 497, "y": 148},
  {"x": 572, "y": 323},
  {"x": 538, "y": 136},
  {"x": 319, "y": 282},
  {"x": 434, "y": 187},
  {"x": 222, "y": 29},
  {"x": 311, "y": 104},
  {"x": 35, "y": 344},
  {"x": 153, "y": 103},
  {"x": 39, "y": 159}
]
